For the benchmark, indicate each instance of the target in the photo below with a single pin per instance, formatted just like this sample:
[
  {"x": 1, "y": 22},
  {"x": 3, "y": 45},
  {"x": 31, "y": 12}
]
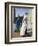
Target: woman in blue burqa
[{"x": 18, "y": 24}]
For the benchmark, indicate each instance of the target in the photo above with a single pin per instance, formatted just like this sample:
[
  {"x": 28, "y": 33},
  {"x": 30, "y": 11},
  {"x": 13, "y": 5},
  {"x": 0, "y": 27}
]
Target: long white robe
[{"x": 24, "y": 25}]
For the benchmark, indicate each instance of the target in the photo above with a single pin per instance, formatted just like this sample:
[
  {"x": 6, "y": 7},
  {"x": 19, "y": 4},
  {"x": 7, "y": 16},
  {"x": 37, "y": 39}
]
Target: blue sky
[{"x": 22, "y": 11}]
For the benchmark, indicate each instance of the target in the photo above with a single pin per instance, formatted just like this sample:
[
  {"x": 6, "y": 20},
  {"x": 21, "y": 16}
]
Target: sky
[{"x": 22, "y": 11}]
